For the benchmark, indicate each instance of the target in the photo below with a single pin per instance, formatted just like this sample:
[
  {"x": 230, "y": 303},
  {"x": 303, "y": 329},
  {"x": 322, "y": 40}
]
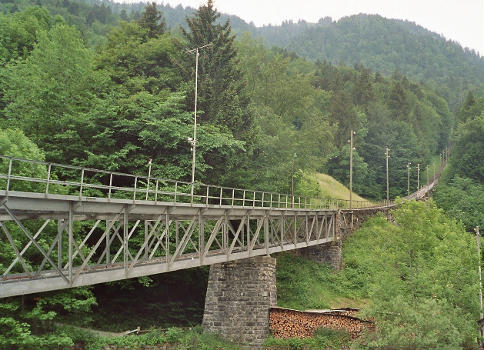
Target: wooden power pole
[
  {"x": 478, "y": 243},
  {"x": 387, "y": 155}
]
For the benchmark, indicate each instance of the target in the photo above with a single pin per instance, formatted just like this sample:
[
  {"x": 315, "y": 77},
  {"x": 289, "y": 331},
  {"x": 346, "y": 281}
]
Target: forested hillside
[
  {"x": 462, "y": 186},
  {"x": 290, "y": 116},
  {"x": 380, "y": 44},
  {"x": 386, "y": 45}
]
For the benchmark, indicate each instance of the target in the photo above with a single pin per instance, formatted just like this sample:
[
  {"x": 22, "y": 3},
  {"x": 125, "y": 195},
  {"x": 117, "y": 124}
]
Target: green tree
[
  {"x": 221, "y": 96},
  {"x": 55, "y": 96},
  {"x": 472, "y": 107},
  {"x": 398, "y": 101},
  {"x": 419, "y": 273},
  {"x": 19, "y": 32},
  {"x": 289, "y": 113},
  {"x": 152, "y": 19},
  {"x": 468, "y": 150},
  {"x": 150, "y": 119},
  {"x": 461, "y": 199}
]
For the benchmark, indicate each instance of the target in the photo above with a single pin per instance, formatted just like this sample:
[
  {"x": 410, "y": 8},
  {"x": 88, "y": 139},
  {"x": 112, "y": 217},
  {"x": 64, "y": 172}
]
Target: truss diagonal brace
[
  {"x": 14, "y": 247},
  {"x": 37, "y": 245}
]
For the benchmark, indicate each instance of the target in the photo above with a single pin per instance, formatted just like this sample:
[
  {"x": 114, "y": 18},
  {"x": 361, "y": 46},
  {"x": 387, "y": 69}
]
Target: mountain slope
[
  {"x": 381, "y": 44},
  {"x": 385, "y": 45}
]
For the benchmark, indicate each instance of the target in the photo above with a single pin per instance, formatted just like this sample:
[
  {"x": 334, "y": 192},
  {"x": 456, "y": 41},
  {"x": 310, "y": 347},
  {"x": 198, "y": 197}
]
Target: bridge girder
[{"x": 73, "y": 242}]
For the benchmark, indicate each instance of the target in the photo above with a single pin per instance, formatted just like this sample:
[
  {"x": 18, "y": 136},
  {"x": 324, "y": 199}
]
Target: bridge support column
[
  {"x": 325, "y": 253},
  {"x": 239, "y": 295}
]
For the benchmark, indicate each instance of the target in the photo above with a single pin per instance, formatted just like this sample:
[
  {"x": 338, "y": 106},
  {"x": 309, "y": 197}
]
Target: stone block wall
[
  {"x": 330, "y": 253},
  {"x": 239, "y": 297}
]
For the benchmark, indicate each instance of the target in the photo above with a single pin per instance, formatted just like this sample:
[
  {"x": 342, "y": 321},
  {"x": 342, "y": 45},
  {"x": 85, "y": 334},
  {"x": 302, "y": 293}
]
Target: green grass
[
  {"x": 303, "y": 284},
  {"x": 323, "y": 339},
  {"x": 177, "y": 338},
  {"x": 332, "y": 188}
]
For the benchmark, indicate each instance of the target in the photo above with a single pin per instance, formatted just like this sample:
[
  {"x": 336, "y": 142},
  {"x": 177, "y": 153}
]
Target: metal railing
[{"x": 24, "y": 175}]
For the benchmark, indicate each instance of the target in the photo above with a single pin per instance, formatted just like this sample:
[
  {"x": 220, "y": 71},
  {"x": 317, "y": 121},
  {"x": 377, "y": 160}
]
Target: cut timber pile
[{"x": 288, "y": 323}]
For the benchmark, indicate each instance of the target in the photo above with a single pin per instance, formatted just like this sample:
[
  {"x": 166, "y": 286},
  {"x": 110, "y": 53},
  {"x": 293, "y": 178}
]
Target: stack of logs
[{"x": 288, "y": 323}]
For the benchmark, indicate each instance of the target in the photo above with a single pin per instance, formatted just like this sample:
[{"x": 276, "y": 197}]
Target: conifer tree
[
  {"x": 221, "y": 96},
  {"x": 152, "y": 19}
]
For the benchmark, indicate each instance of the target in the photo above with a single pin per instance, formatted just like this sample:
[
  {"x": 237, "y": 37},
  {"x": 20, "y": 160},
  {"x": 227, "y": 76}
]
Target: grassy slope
[
  {"x": 335, "y": 189},
  {"x": 303, "y": 284}
]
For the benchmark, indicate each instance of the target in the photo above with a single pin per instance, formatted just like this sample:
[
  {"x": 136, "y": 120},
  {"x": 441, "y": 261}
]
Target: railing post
[
  {"x": 110, "y": 185},
  {"x": 135, "y": 187},
  {"x": 82, "y": 183},
  {"x": 192, "y": 189},
  {"x": 253, "y": 201},
  {"x": 9, "y": 174},
  {"x": 220, "y": 198},
  {"x": 243, "y": 199},
  {"x": 147, "y": 187},
  {"x": 176, "y": 189},
  {"x": 156, "y": 191},
  {"x": 48, "y": 179},
  {"x": 271, "y": 201},
  {"x": 208, "y": 195},
  {"x": 262, "y": 199},
  {"x": 233, "y": 195}
]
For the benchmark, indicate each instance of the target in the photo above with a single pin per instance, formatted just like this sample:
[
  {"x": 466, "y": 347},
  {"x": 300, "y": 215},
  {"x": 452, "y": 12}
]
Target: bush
[{"x": 323, "y": 338}]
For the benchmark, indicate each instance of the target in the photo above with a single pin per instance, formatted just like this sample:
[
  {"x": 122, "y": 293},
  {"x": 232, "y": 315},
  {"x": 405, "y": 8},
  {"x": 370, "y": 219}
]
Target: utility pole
[
  {"x": 292, "y": 180},
  {"x": 428, "y": 180},
  {"x": 387, "y": 155},
  {"x": 193, "y": 141},
  {"x": 478, "y": 243},
  {"x": 418, "y": 176},
  {"x": 351, "y": 168},
  {"x": 408, "y": 178}
]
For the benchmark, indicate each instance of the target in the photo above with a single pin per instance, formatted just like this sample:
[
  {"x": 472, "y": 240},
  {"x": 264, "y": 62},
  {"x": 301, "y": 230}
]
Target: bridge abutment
[{"x": 239, "y": 296}]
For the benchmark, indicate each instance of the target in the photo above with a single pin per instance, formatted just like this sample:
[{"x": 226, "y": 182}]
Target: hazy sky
[{"x": 461, "y": 21}]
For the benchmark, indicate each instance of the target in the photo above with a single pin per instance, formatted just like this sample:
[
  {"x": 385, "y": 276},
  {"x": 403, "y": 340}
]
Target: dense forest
[
  {"x": 111, "y": 86},
  {"x": 290, "y": 115},
  {"x": 386, "y": 45},
  {"x": 380, "y": 44}
]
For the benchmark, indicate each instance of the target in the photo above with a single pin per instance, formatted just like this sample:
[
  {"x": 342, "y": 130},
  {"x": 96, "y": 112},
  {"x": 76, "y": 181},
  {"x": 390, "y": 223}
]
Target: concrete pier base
[{"x": 239, "y": 296}]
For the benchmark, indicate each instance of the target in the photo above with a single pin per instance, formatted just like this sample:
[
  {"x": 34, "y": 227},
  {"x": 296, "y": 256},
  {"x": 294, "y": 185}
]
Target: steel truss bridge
[{"x": 63, "y": 226}]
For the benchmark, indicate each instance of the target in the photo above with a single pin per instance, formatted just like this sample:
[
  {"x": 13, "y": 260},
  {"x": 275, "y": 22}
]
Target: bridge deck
[{"x": 88, "y": 241}]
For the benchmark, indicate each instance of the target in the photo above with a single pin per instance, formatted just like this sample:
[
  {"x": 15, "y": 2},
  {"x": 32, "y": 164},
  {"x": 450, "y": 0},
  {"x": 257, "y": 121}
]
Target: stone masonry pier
[
  {"x": 330, "y": 253},
  {"x": 239, "y": 297}
]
